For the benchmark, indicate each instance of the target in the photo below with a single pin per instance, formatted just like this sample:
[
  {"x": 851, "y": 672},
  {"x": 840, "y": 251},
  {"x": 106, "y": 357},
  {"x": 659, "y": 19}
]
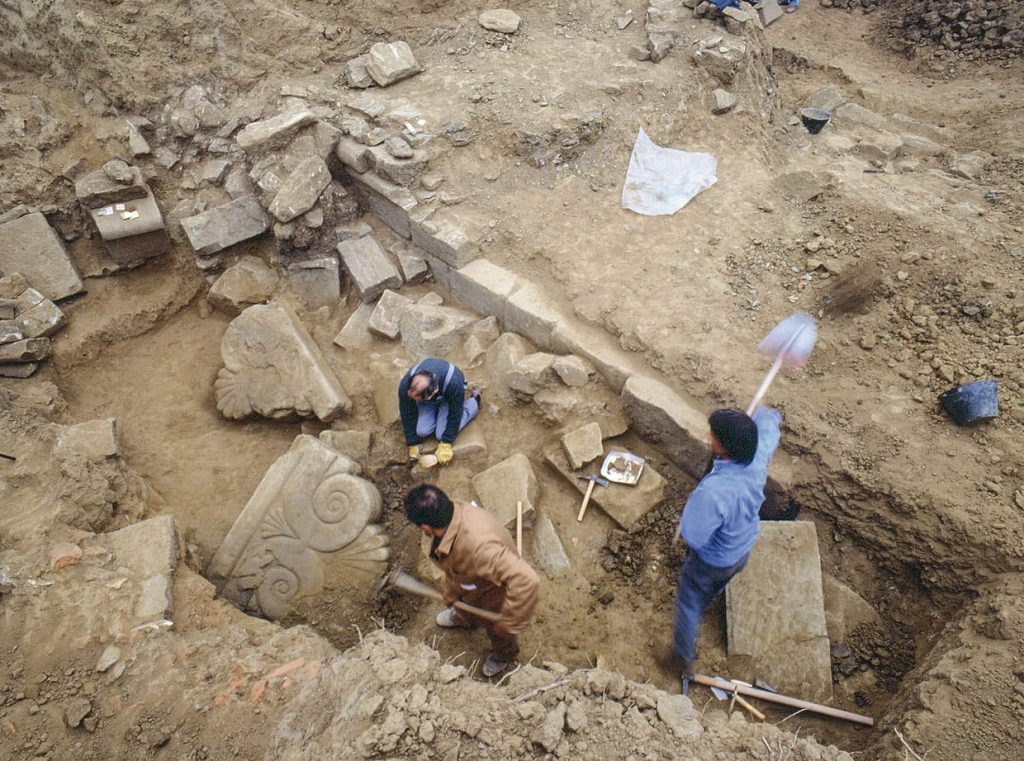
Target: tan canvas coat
[{"x": 482, "y": 568}]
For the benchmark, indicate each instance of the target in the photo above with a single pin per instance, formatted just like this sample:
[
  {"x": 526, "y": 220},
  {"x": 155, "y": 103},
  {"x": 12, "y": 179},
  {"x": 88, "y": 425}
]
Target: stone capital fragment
[{"x": 272, "y": 367}]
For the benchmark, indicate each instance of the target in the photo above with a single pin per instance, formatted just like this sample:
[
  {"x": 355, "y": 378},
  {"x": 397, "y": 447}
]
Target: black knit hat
[{"x": 736, "y": 432}]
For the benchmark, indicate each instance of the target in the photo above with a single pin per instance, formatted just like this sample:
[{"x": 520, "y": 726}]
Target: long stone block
[
  {"x": 531, "y": 313},
  {"x": 615, "y": 364},
  {"x": 26, "y": 350},
  {"x": 370, "y": 268},
  {"x": 98, "y": 189},
  {"x": 484, "y": 287},
  {"x": 663, "y": 416},
  {"x": 391, "y": 204},
  {"x": 268, "y": 131},
  {"x": 30, "y": 246},
  {"x": 224, "y": 226},
  {"x": 776, "y": 611}
]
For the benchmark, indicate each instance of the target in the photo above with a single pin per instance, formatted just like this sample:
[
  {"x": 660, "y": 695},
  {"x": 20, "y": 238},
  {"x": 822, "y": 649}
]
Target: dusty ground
[{"x": 917, "y": 515}]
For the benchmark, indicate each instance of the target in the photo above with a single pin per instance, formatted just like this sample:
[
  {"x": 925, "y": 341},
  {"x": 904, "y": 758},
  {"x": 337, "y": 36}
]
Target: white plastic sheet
[{"x": 663, "y": 180}]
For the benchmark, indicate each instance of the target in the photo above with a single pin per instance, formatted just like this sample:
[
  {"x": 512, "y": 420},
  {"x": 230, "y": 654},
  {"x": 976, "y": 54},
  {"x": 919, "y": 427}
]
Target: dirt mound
[{"x": 974, "y": 28}]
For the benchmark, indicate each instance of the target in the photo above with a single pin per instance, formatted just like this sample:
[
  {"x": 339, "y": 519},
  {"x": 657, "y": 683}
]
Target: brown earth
[{"x": 920, "y": 517}]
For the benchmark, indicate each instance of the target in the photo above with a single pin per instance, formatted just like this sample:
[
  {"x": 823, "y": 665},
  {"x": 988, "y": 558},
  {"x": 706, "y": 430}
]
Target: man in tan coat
[{"x": 482, "y": 568}]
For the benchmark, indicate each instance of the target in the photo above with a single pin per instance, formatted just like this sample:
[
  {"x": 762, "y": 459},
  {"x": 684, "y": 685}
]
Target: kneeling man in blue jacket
[{"x": 720, "y": 520}]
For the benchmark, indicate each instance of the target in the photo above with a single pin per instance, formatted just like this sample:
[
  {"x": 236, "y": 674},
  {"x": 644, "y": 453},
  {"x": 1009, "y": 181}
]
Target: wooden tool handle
[
  {"x": 773, "y": 697},
  {"x": 487, "y": 615},
  {"x": 753, "y": 711},
  {"x": 519, "y": 527},
  {"x": 586, "y": 499},
  {"x": 773, "y": 371}
]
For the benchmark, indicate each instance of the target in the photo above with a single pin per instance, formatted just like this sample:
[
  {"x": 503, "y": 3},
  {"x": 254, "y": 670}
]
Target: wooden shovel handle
[
  {"x": 753, "y": 711},
  {"x": 586, "y": 500},
  {"x": 774, "y": 697}
]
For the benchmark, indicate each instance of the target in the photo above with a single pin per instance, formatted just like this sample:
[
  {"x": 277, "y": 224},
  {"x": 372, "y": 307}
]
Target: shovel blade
[
  {"x": 793, "y": 338},
  {"x": 719, "y": 693}
]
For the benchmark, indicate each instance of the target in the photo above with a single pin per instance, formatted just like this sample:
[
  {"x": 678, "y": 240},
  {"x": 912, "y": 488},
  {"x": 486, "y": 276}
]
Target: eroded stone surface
[
  {"x": 224, "y": 226},
  {"x": 308, "y": 527},
  {"x": 783, "y": 575},
  {"x": 301, "y": 190},
  {"x": 663, "y": 416},
  {"x": 30, "y": 246},
  {"x": 355, "y": 334},
  {"x": 388, "y": 62},
  {"x": 434, "y": 331},
  {"x": 500, "y": 20},
  {"x": 387, "y": 315},
  {"x": 316, "y": 281},
  {"x": 500, "y": 486},
  {"x": 248, "y": 282},
  {"x": 272, "y": 367},
  {"x": 371, "y": 270},
  {"x": 583, "y": 445}
]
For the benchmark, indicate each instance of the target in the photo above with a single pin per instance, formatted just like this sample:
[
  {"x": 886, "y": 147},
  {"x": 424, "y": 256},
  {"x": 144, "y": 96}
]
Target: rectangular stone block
[
  {"x": 97, "y": 189},
  {"x": 269, "y": 131},
  {"x": 17, "y": 369},
  {"x": 411, "y": 262},
  {"x": 132, "y": 231},
  {"x": 595, "y": 345},
  {"x": 353, "y": 155},
  {"x": 387, "y": 315},
  {"x": 484, "y": 287},
  {"x": 224, "y": 226},
  {"x": 402, "y": 172},
  {"x": 529, "y": 312},
  {"x": 782, "y": 578},
  {"x": 355, "y": 335},
  {"x": 93, "y": 440},
  {"x": 370, "y": 268},
  {"x": 316, "y": 281},
  {"x": 446, "y": 237},
  {"x": 390, "y": 203},
  {"x": 501, "y": 486},
  {"x": 769, "y": 12},
  {"x": 30, "y": 246},
  {"x": 664, "y": 417},
  {"x": 43, "y": 319},
  {"x": 623, "y": 504},
  {"x": 352, "y": 443},
  {"x": 548, "y": 551},
  {"x": 26, "y": 350}
]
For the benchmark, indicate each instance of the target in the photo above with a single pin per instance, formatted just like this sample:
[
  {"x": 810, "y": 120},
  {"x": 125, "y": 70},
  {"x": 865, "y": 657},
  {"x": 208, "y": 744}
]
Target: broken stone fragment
[
  {"x": 354, "y": 155},
  {"x": 75, "y": 710},
  {"x": 583, "y": 445},
  {"x": 119, "y": 171},
  {"x": 273, "y": 368},
  {"x": 93, "y": 440},
  {"x": 26, "y": 350},
  {"x": 722, "y": 101},
  {"x": 356, "y": 74},
  {"x": 389, "y": 62},
  {"x": 387, "y": 315},
  {"x": 434, "y": 331},
  {"x": 301, "y": 190},
  {"x": 355, "y": 335},
  {"x": 548, "y": 549},
  {"x": 18, "y": 369},
  {"x": 532, "y": 373},
  {"x": 248, "y": 282},
  {"x": 137, "y": 144},
  {"x": 317, "y": 282},
  {"x": 572, "y": 370},
  {"x": 397, "y": 146},
  {"x": 353, "y": 443},
  {"x": 29, "y": 246},
  {"x": 370, "y": 268},
  {"x": 267, "y": 132},
  {"x": 500, "y": 20},
  {"x": 108, "y": 658},
  {"x": 501, "y": 486},
  {"x": 224, "y": 226},
  {"x": 411, "y": 262}
]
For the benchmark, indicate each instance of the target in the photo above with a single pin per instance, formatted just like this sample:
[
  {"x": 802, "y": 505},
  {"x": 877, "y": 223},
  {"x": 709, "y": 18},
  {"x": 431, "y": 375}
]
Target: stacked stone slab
[
  {"x": 125, "y": 212},
  {"x": 27, "y": 318}
]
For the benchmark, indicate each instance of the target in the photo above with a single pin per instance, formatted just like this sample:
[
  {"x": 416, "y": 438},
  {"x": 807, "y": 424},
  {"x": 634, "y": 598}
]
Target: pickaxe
[{"x": 402, "y": 580}]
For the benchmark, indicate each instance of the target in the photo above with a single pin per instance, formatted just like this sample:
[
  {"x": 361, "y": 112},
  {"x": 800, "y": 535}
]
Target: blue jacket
[
  {"x": 453, "y": 392},
  {"x": 720, "y": 520}
]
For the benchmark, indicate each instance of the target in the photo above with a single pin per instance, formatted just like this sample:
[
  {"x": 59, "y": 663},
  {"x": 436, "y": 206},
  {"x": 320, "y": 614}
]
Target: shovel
[
  {"x": 721, "y": 694},
  {"x": 790, "y": 343}
]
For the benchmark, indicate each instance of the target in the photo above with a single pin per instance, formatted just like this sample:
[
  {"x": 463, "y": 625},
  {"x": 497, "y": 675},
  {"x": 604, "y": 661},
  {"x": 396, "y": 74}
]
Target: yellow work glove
[
  {"x": 444, "y": 453},
  {"x": 414, "y": 452}
]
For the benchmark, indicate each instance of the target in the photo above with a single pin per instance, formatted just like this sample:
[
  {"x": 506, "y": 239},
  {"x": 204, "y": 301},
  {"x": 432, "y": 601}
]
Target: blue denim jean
[
  {"x": 699, "y": 584},
  {"x": 433, "y": 417}
]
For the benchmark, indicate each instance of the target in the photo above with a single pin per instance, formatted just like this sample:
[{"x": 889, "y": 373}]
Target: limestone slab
[
  {"x": 37, "y": 318},
  {"x": 447, "y": 237},
  {"x": 307, "y": 532},
  {"x": 845, "y": 610},
  {"x": 769, "y": 12},
  {"x": 434, "y": 331},
  {"x": 98, "y": 188},
  {"x": 273, "y": 368},
  {"x": 389, "y": 62},
  {"x": 316, "y": 281},
  {"x": 776, "y": 613},
  {"x": 387, "y": 315},
  {"x": 25, "y": 350},
  {"x": 93, "y": 440},
  {"x": 583, "y": 445},
  {"x": 223, "y": 226},
  {"x": 661, "y": 415},
  {"x": 532, "y": 373},
  {"x": 390, "y": 203},
  {"x": 623, "y": 504},
  {"x": 270, "y": 131},
  {"x": 247, "y": 282},
  {"x": 548, "y": 550},
  {"x": 370, "y": 268},
  {"x": 385, "y": 401},
  {"x": 411, "y": 263},
  {"x": 355, "y": 334},
  {"x": 501, "y": 486},
  {"x": 18, "y": 369},
  {"x": 301, "y": 190},
  {"x": 30, "y": 246},
  {"x": 573, "y": 371}
]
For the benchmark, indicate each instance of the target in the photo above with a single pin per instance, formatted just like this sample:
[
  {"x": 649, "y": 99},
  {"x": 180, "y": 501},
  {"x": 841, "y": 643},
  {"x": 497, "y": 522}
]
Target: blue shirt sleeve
[
  {"x": 768, "y": 421},
  {"x": 701, "y": 516}
]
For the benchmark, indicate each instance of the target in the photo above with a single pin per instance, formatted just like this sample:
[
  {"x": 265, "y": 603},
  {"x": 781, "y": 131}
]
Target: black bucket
[
  {"x": 815, "y": 119},
  {"x": 972, "y": 402}
]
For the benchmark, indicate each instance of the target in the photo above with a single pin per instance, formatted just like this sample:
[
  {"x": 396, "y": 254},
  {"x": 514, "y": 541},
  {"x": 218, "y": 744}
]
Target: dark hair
[
  {"x": 736, "y": 432},
  {"x": 426, "y": 504}
]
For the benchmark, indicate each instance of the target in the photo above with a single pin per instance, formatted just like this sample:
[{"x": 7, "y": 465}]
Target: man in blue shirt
[
  {"x": 720, "y": 520},
  {"x": 432, "y": 402}
]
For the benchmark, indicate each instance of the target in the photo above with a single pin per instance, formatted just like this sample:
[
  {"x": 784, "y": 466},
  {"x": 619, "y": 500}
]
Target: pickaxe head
[{"x": 596, "y": 479}]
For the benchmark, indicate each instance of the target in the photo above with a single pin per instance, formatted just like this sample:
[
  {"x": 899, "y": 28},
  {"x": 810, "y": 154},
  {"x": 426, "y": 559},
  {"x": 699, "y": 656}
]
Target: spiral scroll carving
[{"x": 339, "y": 509}]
